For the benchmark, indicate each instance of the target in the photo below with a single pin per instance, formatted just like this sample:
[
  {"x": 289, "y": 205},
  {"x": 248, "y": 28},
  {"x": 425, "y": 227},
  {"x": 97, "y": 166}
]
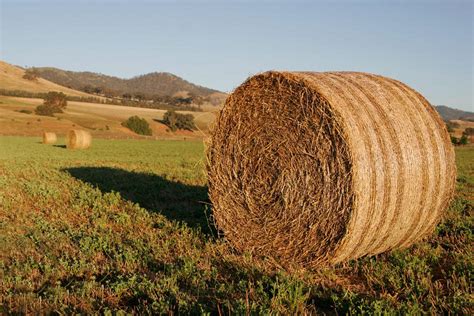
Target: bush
[
  {"x": 463, "y": 140},
  {"x": 47, "y": 110},
  {"x": 25, "y": 111},
  {"x": 177, "y": 121},
  {"x": 138, "y": 125}
]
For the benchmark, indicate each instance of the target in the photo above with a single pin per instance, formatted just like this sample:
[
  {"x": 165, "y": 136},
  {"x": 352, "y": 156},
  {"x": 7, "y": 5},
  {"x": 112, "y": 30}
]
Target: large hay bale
[
  {"x": 78, "y": 139},
  {"x": 49, "y": 138},
  {"x": 319, "y": 168}
]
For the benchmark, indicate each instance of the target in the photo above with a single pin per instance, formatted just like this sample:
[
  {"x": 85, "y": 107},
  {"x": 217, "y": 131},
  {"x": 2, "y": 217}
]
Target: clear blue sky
[{"x": 426, "y": 44}]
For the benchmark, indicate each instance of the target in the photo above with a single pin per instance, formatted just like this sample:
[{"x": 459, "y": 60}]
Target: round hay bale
[
  {"x": 78, "y": 139},
  {"x": 49, "y": 138},
  {"x": 319, "y": 168}
]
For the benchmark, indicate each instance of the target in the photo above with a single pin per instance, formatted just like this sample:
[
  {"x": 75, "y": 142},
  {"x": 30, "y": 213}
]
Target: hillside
[
  {"x": 17, "y": 117},
  {"x": 449, "y": 114},
  {"x": 11, "y": 78},
  {"x": 152, "y": 84}
]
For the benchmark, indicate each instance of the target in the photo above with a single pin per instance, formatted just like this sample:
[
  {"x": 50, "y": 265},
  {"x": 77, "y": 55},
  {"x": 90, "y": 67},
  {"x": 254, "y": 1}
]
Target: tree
[
  {"x": 88, "y": 89},
  {"x": 31, "y": 74},
  {"x": 469, "y": 131},
  {"x": 463, "y": 140},
  {"x": 54, "y": 102},
  {"x": 56, "y": 99},
  {"x": 454, "y": 140},
  {"x": 138, "y": 125}
]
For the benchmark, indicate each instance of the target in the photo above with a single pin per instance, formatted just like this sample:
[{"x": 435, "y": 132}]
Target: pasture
[
  {"x": 102, "y": 120},
  {"x": 126, "y": 226}
]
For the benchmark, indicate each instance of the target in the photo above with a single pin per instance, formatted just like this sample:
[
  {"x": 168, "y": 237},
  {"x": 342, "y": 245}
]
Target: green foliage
[
  {"x": 138, "y": 125},
  {"x": 177, "y": 121},
  {"x": 103, "y": 231},
  {"x": 454, "y": 140},
  {"x": 463, "y": 140}
]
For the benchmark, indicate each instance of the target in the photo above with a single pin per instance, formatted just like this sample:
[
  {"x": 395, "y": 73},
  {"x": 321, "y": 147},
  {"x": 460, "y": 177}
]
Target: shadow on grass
[
  {"x": 60, "y": 146},
  {"x": 175, "y": 200}
]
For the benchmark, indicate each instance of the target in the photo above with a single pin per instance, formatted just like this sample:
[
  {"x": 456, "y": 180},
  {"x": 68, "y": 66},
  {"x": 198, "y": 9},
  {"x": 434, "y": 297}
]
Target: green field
[{"x": 124, "y": 226}]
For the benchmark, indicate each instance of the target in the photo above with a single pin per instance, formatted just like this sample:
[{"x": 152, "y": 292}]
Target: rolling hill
[
  {"x": 152, "y": 84},
  {"x": 11, "y": 78},
  {"x": 448, "y": 113}
]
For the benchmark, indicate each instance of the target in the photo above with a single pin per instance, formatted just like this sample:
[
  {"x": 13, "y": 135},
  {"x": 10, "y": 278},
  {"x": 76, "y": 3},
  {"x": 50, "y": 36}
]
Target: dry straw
[
  {"x": 49, "y": 138},
  {"x": 319, "y": 168},
  {"x": 78, "y": 139}
]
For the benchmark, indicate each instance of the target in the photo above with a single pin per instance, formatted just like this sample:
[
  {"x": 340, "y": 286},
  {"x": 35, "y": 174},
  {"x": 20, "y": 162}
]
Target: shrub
[
  {"x": 177, "y": 121},
  {"x": 463, "y": 140},
  {"x": 138, "y": 125},
  {"x": 47, "y": 110},
  {"x": 25, "y": 111}
]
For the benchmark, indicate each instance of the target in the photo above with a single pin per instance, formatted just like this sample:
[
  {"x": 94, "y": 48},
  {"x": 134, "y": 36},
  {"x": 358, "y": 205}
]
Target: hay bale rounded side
[
  {"x": 319, "y": 168},
  {"x": 49, "y": 138},
  {"x": 78, "y": 139}
]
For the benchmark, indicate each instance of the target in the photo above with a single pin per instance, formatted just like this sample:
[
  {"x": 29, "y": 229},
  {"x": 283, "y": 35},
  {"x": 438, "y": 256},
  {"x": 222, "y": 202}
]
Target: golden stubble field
[{"x": 102, "y": 120}]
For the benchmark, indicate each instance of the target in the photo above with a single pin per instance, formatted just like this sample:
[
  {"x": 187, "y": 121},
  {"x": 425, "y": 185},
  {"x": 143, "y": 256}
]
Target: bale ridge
[
  {"x": 78, "y": 139},
  {"x": 49, "y": 138},
  {"x": 319, "y": 168}
]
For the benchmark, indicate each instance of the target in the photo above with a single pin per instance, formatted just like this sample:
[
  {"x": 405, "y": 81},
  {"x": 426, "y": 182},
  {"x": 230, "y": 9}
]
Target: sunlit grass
[{"x": 125, "y": 226}]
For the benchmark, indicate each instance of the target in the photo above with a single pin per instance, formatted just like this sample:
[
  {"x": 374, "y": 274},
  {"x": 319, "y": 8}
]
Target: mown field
[
  {"x": 125, "y": 226},
  {"x": 101, "y": 120}
]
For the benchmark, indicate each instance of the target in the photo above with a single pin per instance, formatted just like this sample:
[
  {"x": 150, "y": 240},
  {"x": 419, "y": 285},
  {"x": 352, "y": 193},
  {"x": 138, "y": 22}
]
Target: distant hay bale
[
  {"x": 49, "y": 138},
  {"x": 319, "y": 168},
  {"x": 78, "y": 139}
]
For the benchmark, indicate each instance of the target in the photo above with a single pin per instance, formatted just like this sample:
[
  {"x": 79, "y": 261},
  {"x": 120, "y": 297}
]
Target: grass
[
  {"x": 101, "y": 120},
  {"x": 123, "y": 227},
  {"x": 11, "y": 78}
]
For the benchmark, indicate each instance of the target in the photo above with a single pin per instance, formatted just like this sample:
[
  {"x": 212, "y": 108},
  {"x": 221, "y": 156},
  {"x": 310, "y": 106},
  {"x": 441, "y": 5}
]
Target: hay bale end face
[
  {"x": 49, "y": 138},
  {"x": 319, "y": 168},
  {"x": 78, "y": 139}
]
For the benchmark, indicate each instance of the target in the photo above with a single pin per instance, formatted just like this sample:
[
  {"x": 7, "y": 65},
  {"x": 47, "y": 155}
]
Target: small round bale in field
[
  {"x": 49, "y": 138},
  {"x": 319, "y": 168},
  {"x": 78, "y": 139}
]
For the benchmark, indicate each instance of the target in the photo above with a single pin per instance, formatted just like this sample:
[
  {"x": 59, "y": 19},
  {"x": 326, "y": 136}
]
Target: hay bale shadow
[{"x": 175, "y": 200}]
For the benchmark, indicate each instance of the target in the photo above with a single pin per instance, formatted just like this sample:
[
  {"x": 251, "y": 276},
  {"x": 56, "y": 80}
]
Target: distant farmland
[{"x": 102, "y": 120}]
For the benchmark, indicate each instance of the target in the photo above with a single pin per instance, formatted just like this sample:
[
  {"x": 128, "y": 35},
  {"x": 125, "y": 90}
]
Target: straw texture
[
  {"x": 49, "y": 138},
  {"x": 78, "y": 139},
  {"x": 319, "y": 168}
]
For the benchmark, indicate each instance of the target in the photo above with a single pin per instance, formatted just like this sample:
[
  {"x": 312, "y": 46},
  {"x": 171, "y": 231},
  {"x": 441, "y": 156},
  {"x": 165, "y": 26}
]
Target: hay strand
[
  {"x": 49, "y": 138},
  {"x": 320, "y": 168},
  {"x": 78, "y": 139}
]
